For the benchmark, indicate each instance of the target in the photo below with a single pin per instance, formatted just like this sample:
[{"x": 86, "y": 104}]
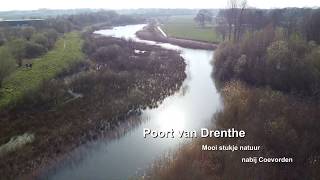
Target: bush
[
  {"x": 52, "y": 36},
  {"x": 27, "y": 32},
  {"x": 17, "y": 47},
  {"x": 107, "y": 53},
  {"x": 288, "y": 72},
  {"x": 7, "y": 64},
  {"x": 41, "y": 40},
  {"x": 51, "y": 93},
  {"x": 224, "y": 61},
  {"x": 34, "y": 50},
  {"x": 2, "y": 39}
]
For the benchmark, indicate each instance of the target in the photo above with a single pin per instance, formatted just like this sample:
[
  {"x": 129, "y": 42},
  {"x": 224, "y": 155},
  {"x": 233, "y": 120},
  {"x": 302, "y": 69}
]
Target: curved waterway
[{"x": 191, "y": 108}]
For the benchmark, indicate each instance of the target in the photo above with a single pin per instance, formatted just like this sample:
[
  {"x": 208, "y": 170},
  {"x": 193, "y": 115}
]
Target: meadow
[
  {"x": 67, "y": 52},
  {"x": 186, "y": 28}
]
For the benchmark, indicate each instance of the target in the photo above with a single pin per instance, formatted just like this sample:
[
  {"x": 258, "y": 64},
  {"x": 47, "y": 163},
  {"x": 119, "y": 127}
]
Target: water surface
[{"x": 191, "y": 108}]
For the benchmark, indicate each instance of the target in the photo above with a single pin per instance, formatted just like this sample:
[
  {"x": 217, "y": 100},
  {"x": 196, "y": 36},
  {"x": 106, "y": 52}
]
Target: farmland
[{"x": 186, "y": 28}]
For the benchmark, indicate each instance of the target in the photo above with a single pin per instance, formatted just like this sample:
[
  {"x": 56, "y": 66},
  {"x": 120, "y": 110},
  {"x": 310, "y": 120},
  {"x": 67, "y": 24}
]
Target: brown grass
[
  {"x": 282, "y": 125},
  {"x": 128, "y": 82}
]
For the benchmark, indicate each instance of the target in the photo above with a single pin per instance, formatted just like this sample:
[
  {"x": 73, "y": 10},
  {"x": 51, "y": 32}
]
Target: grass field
[
  {"x": 67, "y": 51},
  {"x": 185, "y": 27}
]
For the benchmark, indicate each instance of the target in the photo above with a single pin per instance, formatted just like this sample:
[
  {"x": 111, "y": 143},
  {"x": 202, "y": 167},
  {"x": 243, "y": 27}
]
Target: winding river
[{"x": 191, "y": 108}]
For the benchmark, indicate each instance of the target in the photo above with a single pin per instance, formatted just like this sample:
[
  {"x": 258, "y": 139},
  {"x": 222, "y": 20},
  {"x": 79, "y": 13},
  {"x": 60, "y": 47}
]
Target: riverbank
[
  {"x": 267, "y": 94},
  {"x": 152, "y": 33},
  {"x": 120, "y": 79},
  {"x": 66, "y": 53},
  {"x": 273, "y": 121}
]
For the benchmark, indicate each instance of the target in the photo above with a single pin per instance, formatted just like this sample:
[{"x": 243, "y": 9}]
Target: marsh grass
[
  {"x": 282, "y": 125},
  {"x": 116, "y": 85}
]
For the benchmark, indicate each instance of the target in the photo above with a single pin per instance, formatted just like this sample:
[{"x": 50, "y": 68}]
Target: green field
[
  {"x": 66, "y": 52},
  {"x": 185, "y": 27}
]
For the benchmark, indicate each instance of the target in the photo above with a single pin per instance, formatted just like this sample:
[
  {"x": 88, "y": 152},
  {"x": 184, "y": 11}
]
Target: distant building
[{"x": 21, "y": 22}]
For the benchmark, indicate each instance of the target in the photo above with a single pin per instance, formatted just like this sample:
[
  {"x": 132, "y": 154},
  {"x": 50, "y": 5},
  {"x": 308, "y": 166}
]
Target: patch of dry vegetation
[
  {"x": 284, "y": 127},
  {"x": 118, "y": 79}
]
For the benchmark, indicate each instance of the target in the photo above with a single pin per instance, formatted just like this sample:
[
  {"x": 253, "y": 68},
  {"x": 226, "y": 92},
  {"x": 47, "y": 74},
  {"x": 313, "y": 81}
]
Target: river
[{"x": 191, "y": 108}]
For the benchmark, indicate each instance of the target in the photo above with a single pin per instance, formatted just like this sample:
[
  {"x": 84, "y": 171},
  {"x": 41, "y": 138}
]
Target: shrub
[
  {"x": 7, "y": 64},
  {"x": 2, "y": 39},
  {"x": 51, "y": 93},
  {"x": 41, "y": 40},
  {"x": 34, "y": 50},
  {"x": 224, "y": 61},
  {"x": 52, "y": 36},
  {"x": 27, "y": 32},
  {"x": 107, "y": 53},
  {"x": 17, "y": 47},
  {"x": 288, "y": 70}
]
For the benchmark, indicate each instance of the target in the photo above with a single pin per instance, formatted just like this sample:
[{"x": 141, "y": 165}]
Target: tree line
[
  {"x": 238, "y": 19},
  {"x": 276, "y": 48},
  {"x": 268, "y": 72}
]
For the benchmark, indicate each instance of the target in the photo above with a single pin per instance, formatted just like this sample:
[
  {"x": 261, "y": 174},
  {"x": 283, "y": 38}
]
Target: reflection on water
[{"x": 189, "y": 109}]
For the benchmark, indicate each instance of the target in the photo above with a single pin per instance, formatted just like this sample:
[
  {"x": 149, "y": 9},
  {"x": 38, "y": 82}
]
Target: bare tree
[
  {"x": 243, "y": 7},
  {"x": 233, "y": 15},
  {"x": 203, "y": 16},
  {"x": 230, "y": 15},
  {"x": 233, "y": 5},
  {"x": 222, "y": 29}
]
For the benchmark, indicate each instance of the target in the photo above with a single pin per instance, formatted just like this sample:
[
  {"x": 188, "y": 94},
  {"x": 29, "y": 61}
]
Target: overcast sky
[{"x": 127, "y": 4}]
